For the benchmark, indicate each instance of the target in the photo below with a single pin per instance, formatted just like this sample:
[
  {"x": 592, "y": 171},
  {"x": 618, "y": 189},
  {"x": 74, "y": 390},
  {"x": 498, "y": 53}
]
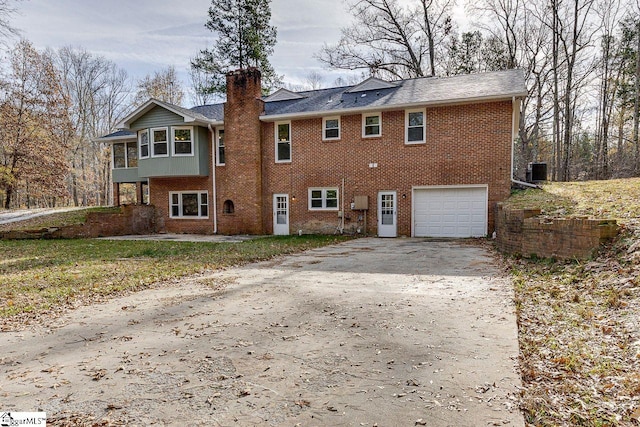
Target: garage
[{"x": 450, "y": 211}]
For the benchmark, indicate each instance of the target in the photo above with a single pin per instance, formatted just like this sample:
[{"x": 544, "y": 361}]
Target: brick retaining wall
[
  {"x": 132, "y": 219},
  {"x": 521, "y": 231}
]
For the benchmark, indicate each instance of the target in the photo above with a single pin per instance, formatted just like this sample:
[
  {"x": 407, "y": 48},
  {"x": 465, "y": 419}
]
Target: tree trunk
[
  {"x": 636, "y": 104},
  {"x": 8, "y": 196}
]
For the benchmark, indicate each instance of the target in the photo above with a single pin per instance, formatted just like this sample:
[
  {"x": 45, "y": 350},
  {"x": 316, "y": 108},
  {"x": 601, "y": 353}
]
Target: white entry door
[
  {"x": 387, "y": 214},
  {"x": 281, "y": 214}
]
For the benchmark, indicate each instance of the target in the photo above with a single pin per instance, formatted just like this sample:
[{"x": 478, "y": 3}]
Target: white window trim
[
  {"x": 218, "y": 163},
  {"x": 173, "y": 141},
  {"x": 152, "y": 142},
  {"x": 277, "y": 141},
  {"x": 324, "y": 198},
  {"x": 424, "y": 126},
  {"x": 364, "y": 118},
  {"x": 324, "y": 128},
  {"x": 180, "y": 193},
  {"x": 140, "y": 133}
]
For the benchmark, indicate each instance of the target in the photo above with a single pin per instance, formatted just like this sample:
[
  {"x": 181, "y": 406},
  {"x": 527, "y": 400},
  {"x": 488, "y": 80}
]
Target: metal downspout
[{"x": 213, "y": 176}]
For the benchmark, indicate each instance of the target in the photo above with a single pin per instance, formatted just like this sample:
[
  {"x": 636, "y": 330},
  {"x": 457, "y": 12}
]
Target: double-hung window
[
  {"x": 330, "y": 128},
  {"x": 188, "y": 204},
  {"x": 414, "y": 127},
  {"x": 143, "y": 141},
  {"x": 182, "y": 138},
  {"x": 323, "y": 199},
  {"x": 220, "y": 147},
  {"x": 159, "y": 142},
  {"x": 283, "y": 142},
  {"x": 371, "y": 125}
]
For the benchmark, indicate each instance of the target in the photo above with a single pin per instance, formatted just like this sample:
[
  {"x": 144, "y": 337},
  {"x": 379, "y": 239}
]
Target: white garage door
[{"x": 450, "y": 212}]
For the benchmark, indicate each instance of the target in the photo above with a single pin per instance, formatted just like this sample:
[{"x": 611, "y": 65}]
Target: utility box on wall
[{"x": 360, "y": 203}]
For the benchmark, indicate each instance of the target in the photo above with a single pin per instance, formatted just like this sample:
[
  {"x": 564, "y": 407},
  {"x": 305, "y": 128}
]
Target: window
[
  {"x": 125, "y": 155},
  {"x": 189, "y": 205},
  {"x": 132, "y": 155},
  {"x": 371, "y": 125},
  {"x": 415, "y": 127},
  {"x": 143, "y": 140},
  {"x": 119, "y": 155},
  {"x": 159, "y": 142},
  {"x": 283, "y": 142},
  {"x": 220, "y": 147},
  {"x": 323, "y": 199},
  {"x": 182, "y": 141},
  {"x": 330, "y": 128}
]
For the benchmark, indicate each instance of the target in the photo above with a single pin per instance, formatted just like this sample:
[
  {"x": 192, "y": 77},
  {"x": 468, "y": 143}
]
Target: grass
[
  {"x": 618, "y": 199},
  {"x": 42, "y": 275},
  {"x": 579, "y": 346},
  {"x": 56, "y": 220}
]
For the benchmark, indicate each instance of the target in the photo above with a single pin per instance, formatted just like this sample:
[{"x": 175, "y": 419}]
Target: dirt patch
[{"x": 406, "y": 332}]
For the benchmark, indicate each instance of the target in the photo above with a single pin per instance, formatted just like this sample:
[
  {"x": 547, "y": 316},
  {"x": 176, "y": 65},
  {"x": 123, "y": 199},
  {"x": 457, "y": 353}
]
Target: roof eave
[
  {"x": 458, "y": 101},
  {"x": 113, "y": 139}
]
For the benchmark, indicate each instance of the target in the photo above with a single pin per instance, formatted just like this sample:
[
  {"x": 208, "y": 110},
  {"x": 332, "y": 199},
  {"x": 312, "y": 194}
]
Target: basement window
[
  {"x": 323, "y": 199},
  {"x": 189, "y": 204}
]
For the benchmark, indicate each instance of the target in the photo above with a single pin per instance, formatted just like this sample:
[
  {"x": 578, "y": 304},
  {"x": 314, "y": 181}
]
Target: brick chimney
[{"x": 241, "y": 180}]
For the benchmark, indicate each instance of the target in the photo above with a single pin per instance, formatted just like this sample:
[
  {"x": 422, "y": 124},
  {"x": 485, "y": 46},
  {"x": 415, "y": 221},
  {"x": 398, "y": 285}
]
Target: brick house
[{"x": 417, "y": 157}]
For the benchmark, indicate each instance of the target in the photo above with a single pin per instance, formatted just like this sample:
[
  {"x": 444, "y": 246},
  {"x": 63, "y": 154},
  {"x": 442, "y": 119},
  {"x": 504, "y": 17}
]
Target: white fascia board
[{"x": 347, "y": 111}]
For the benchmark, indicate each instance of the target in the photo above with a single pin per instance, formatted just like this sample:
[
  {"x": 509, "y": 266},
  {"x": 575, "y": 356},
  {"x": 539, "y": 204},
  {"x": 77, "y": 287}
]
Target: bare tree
[
  {"x": 164, "y": 85},
  {"x": 6, "y": 29},
  {"x": 314, "y": 80},
  {"x": 390, "y": 40},
  {"x": 98, "y": 93}
]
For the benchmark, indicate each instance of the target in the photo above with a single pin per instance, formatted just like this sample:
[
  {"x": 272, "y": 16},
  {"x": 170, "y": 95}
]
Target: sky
[{"x": 144, "y": 36}]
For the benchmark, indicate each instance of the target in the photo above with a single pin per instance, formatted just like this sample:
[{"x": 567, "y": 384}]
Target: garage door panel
[{"x": 450, "y": 212}]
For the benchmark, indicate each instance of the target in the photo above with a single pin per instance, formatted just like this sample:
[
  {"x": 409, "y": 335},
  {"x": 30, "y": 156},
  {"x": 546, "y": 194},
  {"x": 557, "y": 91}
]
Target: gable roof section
[
  {"x": 484, "y": 87},
  {"x": 189, "y": 116},
  {"x": 283, "y": 95},
  {"x": 372, "y": 83}
]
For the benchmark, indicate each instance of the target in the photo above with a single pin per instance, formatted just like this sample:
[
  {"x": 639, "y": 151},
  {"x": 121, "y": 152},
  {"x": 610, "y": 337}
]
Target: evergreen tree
[{"x": 245, "y": 39}]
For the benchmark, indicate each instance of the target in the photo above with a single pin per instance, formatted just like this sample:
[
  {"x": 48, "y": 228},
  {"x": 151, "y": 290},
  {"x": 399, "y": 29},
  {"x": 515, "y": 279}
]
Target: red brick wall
[
  {"x": 522, "y": 232},
  {"x": 465, "y": 144},
  {"x": 240, "y": 180},
  {"x": 159, "y": 189}
]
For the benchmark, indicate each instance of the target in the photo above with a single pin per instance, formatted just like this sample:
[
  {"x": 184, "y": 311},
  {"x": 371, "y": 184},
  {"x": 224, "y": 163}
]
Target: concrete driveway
[{"x": 371, "y": 332}]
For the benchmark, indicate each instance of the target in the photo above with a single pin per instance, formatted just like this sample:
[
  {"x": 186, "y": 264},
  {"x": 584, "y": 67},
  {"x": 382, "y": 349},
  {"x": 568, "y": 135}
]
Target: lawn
[
  {"x": 578, "y": 321},
  {"x": 40, "y": 276}
]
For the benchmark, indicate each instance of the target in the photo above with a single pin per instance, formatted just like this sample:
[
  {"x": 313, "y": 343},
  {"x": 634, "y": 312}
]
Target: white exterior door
[
  {"x": 387, "y": 214},
  {"x": 450, "y": 211},
  {"x": 281, "y": 214}
]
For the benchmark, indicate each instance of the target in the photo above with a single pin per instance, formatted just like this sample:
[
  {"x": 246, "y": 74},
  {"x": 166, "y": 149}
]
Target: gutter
[
  {"x": 515, "y": 116},
  {"x": 213, "y": 176}
]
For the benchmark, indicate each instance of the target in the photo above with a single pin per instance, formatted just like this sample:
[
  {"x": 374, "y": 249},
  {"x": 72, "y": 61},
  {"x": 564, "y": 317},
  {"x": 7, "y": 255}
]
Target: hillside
[{"x": 579, "y": 322}]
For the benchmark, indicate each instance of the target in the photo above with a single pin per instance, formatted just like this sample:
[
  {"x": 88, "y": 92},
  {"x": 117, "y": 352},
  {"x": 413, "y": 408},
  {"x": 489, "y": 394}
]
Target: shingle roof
[
  {"x": 213, "y": 111},
  {"x": 402, "y": 93},
  {"x": 118, "y": 135},
  {"x": 420, "y": 91}
]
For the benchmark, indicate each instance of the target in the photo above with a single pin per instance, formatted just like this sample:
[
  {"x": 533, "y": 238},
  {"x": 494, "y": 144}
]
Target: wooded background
[{"x": 580, "y": 58}]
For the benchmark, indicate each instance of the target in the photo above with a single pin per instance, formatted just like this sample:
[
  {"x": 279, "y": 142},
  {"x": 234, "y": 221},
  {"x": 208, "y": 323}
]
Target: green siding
[
  {"x": 126, "y": 175},
  {"x": 157, "y": 117},
  {"x": 196, "y": 165},
  {"x": 203, "y": 145}
]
